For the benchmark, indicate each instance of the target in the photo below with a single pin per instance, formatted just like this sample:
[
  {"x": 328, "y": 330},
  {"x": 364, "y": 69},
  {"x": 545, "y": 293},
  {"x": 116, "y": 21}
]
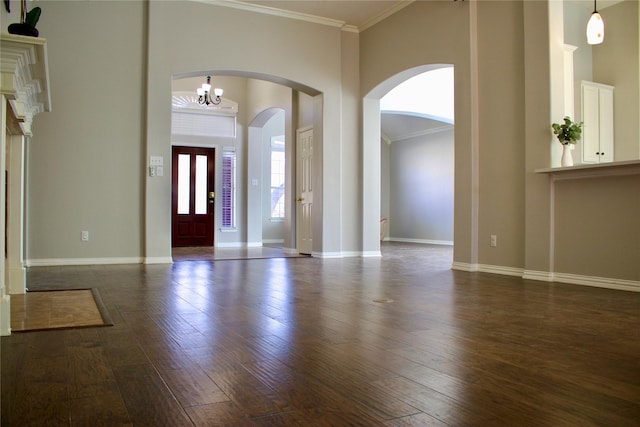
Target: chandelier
[{"x": 204, "y": 94}]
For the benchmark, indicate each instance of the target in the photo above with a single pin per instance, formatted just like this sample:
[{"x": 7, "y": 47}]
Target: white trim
[
  {"x": 50, "y": 262},
  {"x": 266, "y": 10},
  {"x": 272, "y": 241},
  {"x": 463, "y": 266},
  {"x": 545, "y": 276},
  {"x": 598, "y": 282},
  {"x": 426, "y": 132},
  {"x": 235, "y": 245},
  {"x": 351, "y": 254},
  {"x": 423, "y": 241},
  {"x": 371, "y": 254},
  {"x": 485, "y": 268},
  {"x": 157, "y": 260},
  {"x": 583, "y": 171},
  {"x": 252, "y": 7},
  {"x": 326, "y": 254},
  {"x": 498, "y": 269}
]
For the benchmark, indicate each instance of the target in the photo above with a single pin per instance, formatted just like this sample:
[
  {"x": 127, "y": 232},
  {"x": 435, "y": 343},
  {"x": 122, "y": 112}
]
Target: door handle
[
  {"x": 212, "y": 196},
  {"x": 300, "y": 199}
]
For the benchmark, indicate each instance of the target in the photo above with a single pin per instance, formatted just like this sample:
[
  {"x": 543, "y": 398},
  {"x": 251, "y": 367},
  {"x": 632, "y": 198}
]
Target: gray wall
[
  {"x": 111, "y": 88},
  {"x": 421, "y": 188},
  {"x": 86, "y": 165},
  {"x": 272, "y": 231}
]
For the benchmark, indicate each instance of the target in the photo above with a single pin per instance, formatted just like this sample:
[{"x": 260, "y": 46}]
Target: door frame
[
  {"x": 211, "y": 187},
  {"x": 298, "y": 194}
]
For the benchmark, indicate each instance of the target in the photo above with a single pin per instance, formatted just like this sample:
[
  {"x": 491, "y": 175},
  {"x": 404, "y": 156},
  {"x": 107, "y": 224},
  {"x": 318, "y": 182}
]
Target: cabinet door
[
  {"x": 606, "y": 125},
  {"x": 591, "y": 128}
]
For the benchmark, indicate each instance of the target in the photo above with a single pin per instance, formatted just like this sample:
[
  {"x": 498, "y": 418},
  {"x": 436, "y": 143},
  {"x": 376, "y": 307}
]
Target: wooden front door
[{"x": 192, "y": 195}]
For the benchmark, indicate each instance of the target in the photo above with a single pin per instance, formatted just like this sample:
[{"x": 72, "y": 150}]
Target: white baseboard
[
  {"x": 237, "y": 244},
  {"x": 54, "y": 262},
  {"x": 423, "y": 241},
  {"x": 326, "y": 254},
  {"x": 272, "y": 241},
  {"x": 158, "y": 260},
  {"x": 485, "y": 268},
  {"x": 599, "y": 282},
  {"x": 371, "y": 254},
  {"x": 546, "y": 276}
]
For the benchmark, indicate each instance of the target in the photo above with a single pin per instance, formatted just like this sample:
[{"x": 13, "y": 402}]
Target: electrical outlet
[
  {"x": 85, "y": 236},
  {"x": 494, "y": 240}
]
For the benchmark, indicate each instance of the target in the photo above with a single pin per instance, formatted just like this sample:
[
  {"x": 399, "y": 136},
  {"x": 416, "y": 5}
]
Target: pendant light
[{"x": 595, "y": 27}]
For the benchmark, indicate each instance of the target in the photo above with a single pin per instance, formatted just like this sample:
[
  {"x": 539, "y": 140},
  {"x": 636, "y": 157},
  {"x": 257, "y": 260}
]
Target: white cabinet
[{"x": 597, "y": 115}]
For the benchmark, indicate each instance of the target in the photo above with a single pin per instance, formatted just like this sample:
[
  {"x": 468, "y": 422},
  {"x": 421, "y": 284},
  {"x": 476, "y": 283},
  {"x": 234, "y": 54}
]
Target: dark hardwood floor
[{"x": 397, "y": 341}]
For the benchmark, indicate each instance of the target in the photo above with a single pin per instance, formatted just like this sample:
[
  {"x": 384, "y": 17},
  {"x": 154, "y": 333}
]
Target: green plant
[
  {"x": 568, "y": 132},
  {"x": 33, "y": 16}
]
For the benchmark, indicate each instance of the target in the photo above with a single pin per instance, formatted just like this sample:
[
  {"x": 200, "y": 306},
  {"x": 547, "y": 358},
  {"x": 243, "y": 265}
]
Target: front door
[
  {"x": 305, "y": 190},
  {"x": 192, "y": 195}
]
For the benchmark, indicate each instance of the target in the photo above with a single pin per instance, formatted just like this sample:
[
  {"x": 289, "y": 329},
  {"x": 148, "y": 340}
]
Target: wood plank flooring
[{"x": 302, "y": 342}]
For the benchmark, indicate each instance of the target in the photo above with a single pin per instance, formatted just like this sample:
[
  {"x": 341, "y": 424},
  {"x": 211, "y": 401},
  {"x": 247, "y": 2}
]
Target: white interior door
[{"x": 304, "y": 190}]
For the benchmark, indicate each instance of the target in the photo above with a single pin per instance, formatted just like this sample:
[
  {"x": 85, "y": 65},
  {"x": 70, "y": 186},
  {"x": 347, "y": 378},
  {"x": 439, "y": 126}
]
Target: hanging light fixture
[
  {"x": 595, "y": 27},
  {"x": 204, "y": 94}
]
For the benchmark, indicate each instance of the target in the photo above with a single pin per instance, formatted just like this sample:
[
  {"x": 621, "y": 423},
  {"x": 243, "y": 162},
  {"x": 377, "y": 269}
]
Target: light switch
[{"x": 159, "y": 170}]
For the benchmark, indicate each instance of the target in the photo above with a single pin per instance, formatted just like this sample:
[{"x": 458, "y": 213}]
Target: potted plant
[
  {"x": 28, "y": 21},
  {"x": 567, "y": 133}
]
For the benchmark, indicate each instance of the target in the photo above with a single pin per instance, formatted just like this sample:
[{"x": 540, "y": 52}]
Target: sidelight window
[{"x": 228, "y": 187}]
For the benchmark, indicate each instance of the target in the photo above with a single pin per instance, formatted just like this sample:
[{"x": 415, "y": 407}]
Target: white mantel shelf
[
  {"x": 630, "y": 167},
  {"x": 24, "y": 78}
]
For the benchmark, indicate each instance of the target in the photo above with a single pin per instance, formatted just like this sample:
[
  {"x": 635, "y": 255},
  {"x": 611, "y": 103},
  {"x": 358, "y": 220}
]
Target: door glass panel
[
  {"x": 184, "y": 170},
  {"x": 201, "y": 185}
]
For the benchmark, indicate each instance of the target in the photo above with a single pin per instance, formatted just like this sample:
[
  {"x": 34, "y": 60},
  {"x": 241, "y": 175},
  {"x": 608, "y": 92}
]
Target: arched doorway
[{"x": 371, "y": 161}]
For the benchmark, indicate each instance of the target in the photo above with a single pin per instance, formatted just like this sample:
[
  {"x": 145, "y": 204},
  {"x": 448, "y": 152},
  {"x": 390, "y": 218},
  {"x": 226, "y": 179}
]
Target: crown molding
[
  {"x": 426, "y": 132},
  {"x": 384, "y": 15},
  {"x": 266, "y": 10}
]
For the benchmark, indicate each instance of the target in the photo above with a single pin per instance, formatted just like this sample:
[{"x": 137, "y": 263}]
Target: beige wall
[
  {"x": 597, "y": 227},
  {"x": 128, "y": 85},
  {"x": 87, "y": 164},
  {"x": 293, "y": 51},
  {"x": 501, "y": 146},
  {"x": 86, "y": 159},
  {"x": 420, "y": 34}
]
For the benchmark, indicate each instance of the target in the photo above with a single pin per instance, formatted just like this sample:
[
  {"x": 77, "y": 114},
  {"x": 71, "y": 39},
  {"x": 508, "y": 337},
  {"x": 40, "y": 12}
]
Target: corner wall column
[
  {"x": 16, "y": 272},
  {"x": 5, "y": 299}
]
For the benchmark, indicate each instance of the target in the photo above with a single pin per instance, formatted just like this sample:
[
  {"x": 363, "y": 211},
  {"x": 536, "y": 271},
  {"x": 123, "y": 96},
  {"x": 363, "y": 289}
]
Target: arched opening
[
  {"x": 417, "y": 160},
  {"x": 266, "y": 164},
  {"x": 272, "y": 109}
]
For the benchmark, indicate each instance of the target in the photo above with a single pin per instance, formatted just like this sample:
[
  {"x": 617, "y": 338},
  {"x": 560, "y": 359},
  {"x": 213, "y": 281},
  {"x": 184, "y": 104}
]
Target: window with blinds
[
  {"x": 228, "y": 187},
  {"x": 277, "y": 178}
]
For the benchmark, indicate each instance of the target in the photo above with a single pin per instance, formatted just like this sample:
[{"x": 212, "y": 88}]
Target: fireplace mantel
[{"x": 24, "y": 79}]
